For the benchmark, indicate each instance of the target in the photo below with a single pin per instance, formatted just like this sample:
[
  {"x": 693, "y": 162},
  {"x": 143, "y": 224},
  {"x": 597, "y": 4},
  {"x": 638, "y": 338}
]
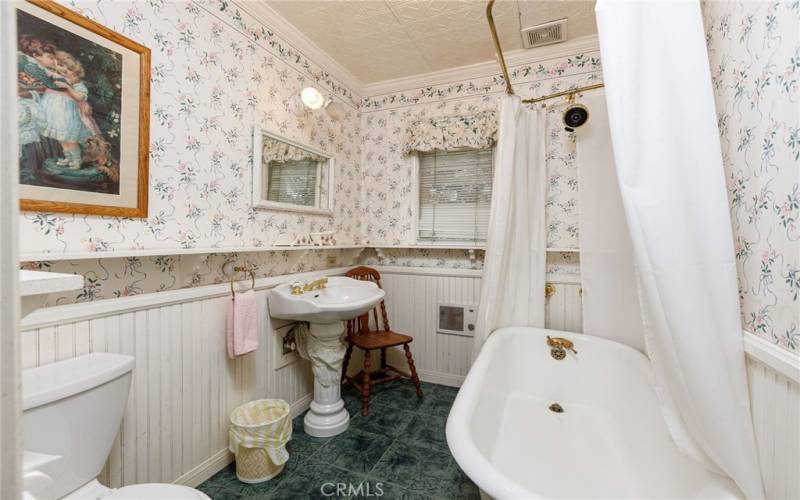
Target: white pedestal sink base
[
  {"x": 327, "y": 416},
  {"x": 325, "y": 349}
]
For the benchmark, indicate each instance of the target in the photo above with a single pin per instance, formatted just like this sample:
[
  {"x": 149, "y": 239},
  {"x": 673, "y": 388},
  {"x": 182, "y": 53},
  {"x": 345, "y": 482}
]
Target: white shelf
[
  {"x": 44, "y": 283},
  {"x": 460, "y": 247},
  {"x": 432, "y": 246},
  {"x": 35, "y": 286},
  {"x": 49, "y": 256}
]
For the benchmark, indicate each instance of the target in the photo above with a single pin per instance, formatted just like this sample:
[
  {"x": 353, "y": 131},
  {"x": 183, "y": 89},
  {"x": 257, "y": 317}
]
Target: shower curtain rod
[{"x": 500, "y": 59}]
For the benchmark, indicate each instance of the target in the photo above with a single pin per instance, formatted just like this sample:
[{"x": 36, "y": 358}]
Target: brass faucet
[
  {"x": 298, "y": 288},
  {"x": 558, "y": 346},
  {"x": 315, "y": 285}
]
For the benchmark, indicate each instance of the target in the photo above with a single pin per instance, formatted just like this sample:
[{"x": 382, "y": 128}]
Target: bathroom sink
[
  {"x": 342, "y": 299},
  {"x": 321, "y": 341}
]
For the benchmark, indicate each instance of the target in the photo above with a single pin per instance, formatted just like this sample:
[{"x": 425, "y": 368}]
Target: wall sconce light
[{"x": 313, "y": 99}]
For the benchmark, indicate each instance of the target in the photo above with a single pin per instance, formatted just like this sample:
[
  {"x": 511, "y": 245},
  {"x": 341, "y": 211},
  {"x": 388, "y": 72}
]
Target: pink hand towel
[{"x": 242, "y": 334}]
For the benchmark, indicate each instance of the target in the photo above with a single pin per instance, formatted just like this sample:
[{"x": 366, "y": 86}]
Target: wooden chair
[{"x": 359, "y": 335}]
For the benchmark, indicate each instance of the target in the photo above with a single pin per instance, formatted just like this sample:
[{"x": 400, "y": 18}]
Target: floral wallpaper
[
  {"x": 200, "y": 158},
  {"x": 537, "y": 79},
  {"x": 108, "y": 278},
  {"x": 216, "y": 72},
  {"x": 754, "y": 51},
  {"x": 386, "y": 210},
  {"x": 427, "y": 257},
  {"x": 563, "y": 263}
]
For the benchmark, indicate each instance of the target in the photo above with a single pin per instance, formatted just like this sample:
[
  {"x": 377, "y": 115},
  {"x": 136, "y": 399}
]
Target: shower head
[{"x": 575, "y": 116}]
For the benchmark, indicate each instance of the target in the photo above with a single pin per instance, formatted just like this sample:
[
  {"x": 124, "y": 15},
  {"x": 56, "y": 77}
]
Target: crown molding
[
  {"x": 484, "y": 69},
  {"x": 268, "y": 16}
]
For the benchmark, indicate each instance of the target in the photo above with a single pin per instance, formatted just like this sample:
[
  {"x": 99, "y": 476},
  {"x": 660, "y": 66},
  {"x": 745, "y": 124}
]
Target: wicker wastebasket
[{"x": 258, "y": 435}]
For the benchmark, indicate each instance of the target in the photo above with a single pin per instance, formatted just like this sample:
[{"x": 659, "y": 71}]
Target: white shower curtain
[
  {"x": 610, "y": 298},
  {"x": 512, "y": 287},
  {"x": 669, "y": 164}
]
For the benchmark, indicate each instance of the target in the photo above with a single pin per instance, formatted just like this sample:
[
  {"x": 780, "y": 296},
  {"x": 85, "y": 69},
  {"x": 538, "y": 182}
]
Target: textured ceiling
[{"x": 385, "y": 39}]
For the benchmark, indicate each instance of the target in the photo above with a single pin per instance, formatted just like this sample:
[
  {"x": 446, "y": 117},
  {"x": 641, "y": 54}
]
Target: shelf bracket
[{"x": 350, "y": 255}]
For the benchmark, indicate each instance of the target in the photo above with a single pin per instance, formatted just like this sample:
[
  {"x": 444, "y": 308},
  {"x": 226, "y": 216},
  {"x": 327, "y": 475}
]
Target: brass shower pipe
[
  {"x": 497, "y": 48},
  {"x": 502, "y": 61}
]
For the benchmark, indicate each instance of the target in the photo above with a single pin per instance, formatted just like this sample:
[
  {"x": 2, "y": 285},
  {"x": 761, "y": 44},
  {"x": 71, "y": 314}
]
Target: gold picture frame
[{"x": 84, "y": 97}]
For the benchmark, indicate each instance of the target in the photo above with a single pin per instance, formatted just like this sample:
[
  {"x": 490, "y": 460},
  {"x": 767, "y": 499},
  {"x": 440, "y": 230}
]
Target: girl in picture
[{"x": 68, "y": 114}]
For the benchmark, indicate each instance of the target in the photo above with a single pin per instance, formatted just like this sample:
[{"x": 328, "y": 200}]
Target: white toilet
[{"x": 72, "y": 413}]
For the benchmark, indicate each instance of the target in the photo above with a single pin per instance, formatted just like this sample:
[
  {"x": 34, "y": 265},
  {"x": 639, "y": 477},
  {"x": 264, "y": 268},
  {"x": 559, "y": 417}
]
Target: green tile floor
[{"x": 400, "y": 446}]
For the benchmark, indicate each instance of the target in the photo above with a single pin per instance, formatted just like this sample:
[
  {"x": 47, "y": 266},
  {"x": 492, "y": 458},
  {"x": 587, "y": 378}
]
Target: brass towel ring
[{"x": 242, "y": 269}]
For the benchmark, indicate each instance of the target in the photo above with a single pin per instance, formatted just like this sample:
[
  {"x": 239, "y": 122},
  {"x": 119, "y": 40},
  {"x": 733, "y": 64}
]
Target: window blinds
[
  {"x": 455, "y": 194},
  {"x": 293, "y": 182}
]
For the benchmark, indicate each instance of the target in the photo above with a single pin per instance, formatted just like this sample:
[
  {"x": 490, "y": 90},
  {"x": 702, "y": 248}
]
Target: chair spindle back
[{"x": 361, "y": 324}]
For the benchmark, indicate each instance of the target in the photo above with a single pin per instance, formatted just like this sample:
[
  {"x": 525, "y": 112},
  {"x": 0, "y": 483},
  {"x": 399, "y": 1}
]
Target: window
[
  {"x": 455, "y": 194},
  {"x": 294, "y": 181}
]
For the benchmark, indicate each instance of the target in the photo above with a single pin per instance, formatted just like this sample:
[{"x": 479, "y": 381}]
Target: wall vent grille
[
  {"x": 544, "y": 34},
  {"x": 457, "y": 319}
]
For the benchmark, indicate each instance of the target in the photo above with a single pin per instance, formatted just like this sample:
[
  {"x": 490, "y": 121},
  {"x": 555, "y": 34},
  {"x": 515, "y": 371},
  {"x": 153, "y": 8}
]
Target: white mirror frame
[{"x": 258, "y": 173}]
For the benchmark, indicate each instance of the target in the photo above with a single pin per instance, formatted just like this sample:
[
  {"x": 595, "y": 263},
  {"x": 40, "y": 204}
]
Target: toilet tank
[{"x": 72, "y": 411}]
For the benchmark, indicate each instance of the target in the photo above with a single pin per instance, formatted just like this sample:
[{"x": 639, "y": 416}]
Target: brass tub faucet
[{"x": 559, "y": 346}]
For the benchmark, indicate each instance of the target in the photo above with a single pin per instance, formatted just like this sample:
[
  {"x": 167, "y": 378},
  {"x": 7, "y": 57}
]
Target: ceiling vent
[{"x": 544, "y": 34}]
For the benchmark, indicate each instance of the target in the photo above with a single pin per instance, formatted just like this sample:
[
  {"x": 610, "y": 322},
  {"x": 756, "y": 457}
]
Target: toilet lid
[{"x": 155, "y": 491}]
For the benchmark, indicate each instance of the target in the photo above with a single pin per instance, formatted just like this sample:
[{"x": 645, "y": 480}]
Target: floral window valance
[
  {"x": 447, "y": 133},
  {"x": 282, "y": 152}
]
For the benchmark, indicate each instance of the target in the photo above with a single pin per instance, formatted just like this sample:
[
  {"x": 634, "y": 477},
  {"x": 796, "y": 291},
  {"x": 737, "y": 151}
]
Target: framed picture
[{"x": 84, "y": 110}]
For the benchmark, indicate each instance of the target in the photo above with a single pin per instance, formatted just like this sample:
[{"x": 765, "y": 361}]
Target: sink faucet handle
[{"x": 297, "y": 288}]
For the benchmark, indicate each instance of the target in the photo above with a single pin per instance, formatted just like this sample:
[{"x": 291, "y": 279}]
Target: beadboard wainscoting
[
  {"x": 774, "y": 378},
  {"x": 412, "y": 298},
  {"x": 564, "y": 310},
  {"x": 175, "y": 426},
  {"x": 184, "y": 386}
]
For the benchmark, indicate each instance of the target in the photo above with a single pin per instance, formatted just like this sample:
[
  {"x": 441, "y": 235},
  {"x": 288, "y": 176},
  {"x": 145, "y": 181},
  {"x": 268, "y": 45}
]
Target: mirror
[{"x": 288, "y": 175}]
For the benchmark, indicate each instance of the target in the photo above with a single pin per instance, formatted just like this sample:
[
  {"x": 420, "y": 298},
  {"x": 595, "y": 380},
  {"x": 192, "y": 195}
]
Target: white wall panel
[
  {"x": 10, "y": 343},
  {"x": 775, "y": 401},
  {"x": 563, "y": 310},
  {"x": 412, "y": 298},
  {"x": 175, "y": 426}
]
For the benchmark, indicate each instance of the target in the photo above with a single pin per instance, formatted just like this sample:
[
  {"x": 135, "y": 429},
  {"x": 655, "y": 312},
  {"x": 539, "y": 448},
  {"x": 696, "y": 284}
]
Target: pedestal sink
[{"x": 326, "y": 310}]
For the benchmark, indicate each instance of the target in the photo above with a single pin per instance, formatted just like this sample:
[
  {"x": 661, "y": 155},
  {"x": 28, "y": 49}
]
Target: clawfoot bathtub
[{"x": 528, "y": 425}]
